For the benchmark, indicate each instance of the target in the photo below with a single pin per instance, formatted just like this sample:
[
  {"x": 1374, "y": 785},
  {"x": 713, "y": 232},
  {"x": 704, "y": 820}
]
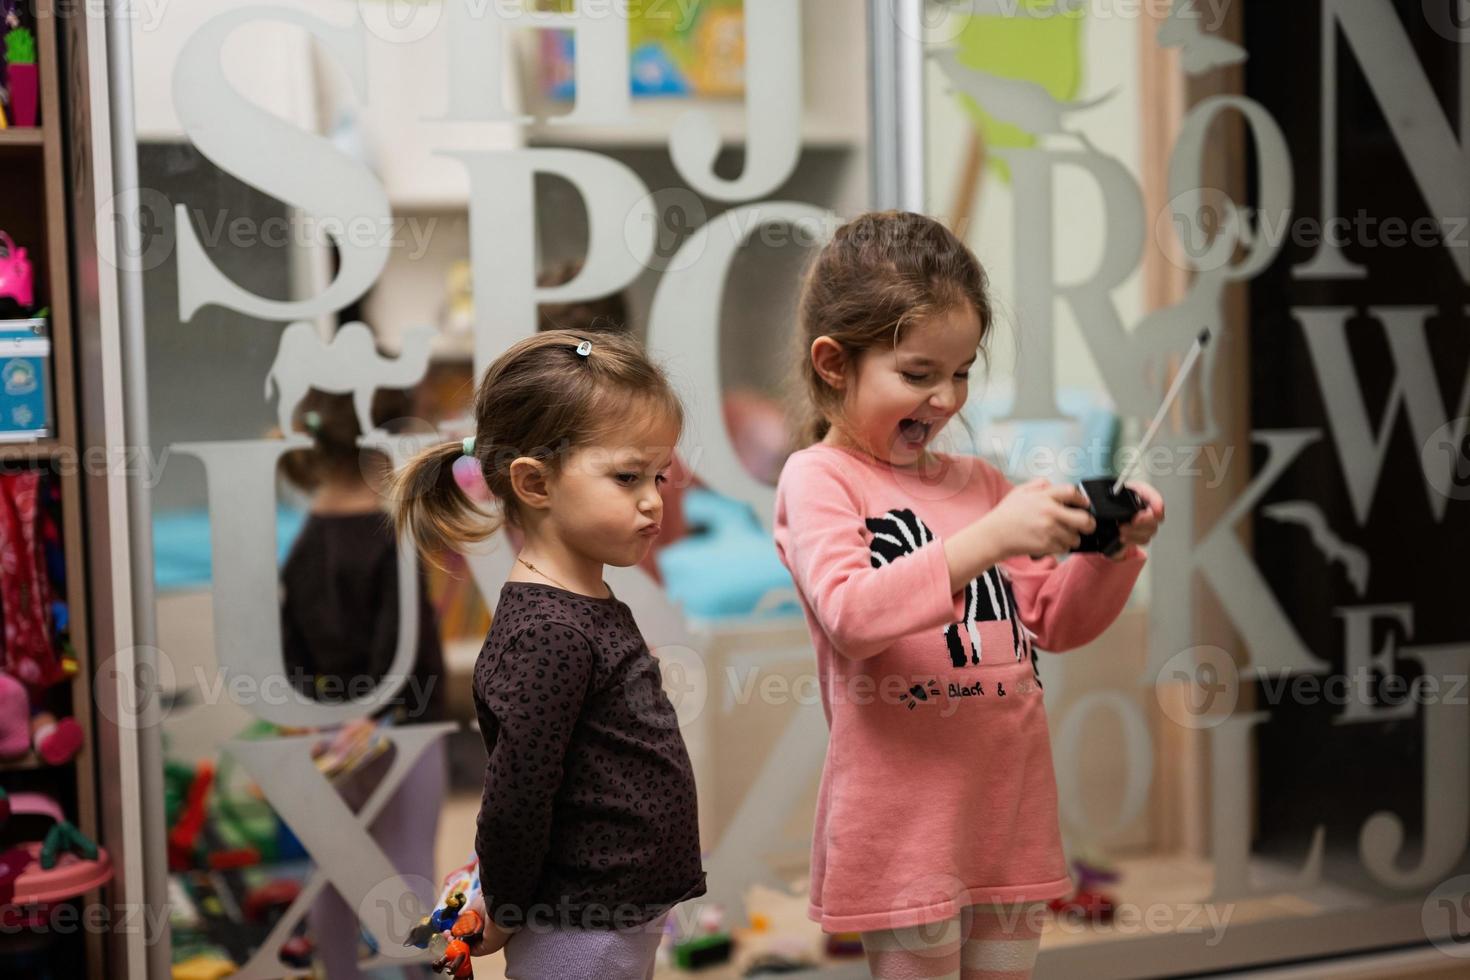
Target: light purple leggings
[
  {"x": 405, "y": 829},
  {"x": 584, "y": 954}
]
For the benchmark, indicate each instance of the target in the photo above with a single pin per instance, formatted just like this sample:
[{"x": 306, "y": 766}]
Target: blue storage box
[{"x": 25, "y": 368}]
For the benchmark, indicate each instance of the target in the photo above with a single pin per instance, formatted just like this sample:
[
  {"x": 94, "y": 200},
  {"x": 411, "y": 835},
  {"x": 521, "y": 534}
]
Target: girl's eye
[
  {"x": 963, "y": 375},
  {"x": 914, "y": 378},
  {"x": 627, "y": 478},
  {"x": 660, "y": 479}
]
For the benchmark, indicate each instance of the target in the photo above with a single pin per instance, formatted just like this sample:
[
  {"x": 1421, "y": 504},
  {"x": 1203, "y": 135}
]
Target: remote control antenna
[{"x": 1174, "y": 389}]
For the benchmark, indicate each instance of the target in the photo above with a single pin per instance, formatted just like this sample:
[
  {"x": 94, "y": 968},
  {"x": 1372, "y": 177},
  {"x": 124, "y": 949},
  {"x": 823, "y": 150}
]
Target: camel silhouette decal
[{"x": 349, "y": 362}]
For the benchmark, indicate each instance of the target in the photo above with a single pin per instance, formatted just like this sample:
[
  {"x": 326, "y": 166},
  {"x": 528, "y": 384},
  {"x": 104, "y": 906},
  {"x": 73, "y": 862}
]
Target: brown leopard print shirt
[{"x": 588, "y": 818}]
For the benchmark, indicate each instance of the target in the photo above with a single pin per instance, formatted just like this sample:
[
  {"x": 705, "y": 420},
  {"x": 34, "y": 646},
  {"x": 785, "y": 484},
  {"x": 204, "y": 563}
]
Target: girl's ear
[
  {"x": 529, "y": 483},
  {"x": 830, "y": 361}
]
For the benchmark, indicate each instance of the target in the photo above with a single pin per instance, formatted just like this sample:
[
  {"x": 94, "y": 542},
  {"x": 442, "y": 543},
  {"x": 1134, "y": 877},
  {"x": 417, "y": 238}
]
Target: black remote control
[
  {"x": 1111, "y": 502},
  {"x": 1111, "y": 511}
]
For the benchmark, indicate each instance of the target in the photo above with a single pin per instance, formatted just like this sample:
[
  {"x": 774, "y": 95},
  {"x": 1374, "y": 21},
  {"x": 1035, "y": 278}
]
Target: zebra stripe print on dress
[{"x": 900, "y": 532}]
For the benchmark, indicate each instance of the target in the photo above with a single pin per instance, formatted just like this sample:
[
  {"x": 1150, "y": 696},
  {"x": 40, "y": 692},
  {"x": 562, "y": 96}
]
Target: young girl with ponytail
[
  {"x": 587, "y": 833},
  {"x": 929, "y": 582}
]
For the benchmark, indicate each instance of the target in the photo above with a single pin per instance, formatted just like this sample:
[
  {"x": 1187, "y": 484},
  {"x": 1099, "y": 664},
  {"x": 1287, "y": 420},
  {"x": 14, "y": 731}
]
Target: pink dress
[{"x": 938, "y": 790}]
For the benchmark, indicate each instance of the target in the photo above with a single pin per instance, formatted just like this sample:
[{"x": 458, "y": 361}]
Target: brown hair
[
  {"x": 539, "y": 399},
  {"x": 331, "y": 421},
  {"x": 881, "y": 271}
]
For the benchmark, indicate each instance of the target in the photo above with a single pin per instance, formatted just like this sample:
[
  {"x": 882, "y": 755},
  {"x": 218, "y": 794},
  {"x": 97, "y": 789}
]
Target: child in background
[
  {"x": 936, "y": 829},
  {"x": 588, "y": 830},
  {"x": 339, "y": 631}
]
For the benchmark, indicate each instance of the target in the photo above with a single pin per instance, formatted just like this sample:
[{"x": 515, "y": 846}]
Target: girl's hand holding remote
[
  {"x": 1036, "y": 518},
  {"x": 1145, "y": 523},
  {"x": 1040, "y": 518}
]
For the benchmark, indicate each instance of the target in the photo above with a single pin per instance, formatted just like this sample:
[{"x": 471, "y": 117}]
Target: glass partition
[{"x": 351, "y": 207}]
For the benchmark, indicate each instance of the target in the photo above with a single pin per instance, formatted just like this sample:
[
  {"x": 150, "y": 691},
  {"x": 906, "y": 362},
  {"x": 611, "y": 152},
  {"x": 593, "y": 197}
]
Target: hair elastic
[
  {"x": 584, "y": 348},
  {"x": 468, "y": 445},
  {"x": 313, "y": 420}
]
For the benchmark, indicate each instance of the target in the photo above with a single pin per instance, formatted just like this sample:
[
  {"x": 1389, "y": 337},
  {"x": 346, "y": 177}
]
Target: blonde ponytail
[{"x": 429, "y": 504}]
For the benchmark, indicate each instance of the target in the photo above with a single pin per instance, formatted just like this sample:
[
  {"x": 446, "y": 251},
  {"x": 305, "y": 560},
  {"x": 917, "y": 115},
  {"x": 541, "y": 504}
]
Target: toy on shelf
[
  {"x": 25, "y": 370},
  {"x": 31, "y": 654},
  {"x": 36, "y": 650},
  {"x": 452, "y": 930},
  {"x": 64, "y": 864},
  {"x": 15, "y": 713},
  {"x": 21, "y": 73},
  {"x": 17, "y": 279},
  {"x": 55, "y": 741},
  {"x": 65, "y": 838}
]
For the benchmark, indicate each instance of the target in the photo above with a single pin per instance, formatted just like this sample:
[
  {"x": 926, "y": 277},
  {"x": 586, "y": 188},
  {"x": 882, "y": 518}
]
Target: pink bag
[{"x": 15, "y": 274}]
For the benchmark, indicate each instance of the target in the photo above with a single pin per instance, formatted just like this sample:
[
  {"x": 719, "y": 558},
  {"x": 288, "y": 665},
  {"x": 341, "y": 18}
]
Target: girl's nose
[{"x": 945, "y": 398}]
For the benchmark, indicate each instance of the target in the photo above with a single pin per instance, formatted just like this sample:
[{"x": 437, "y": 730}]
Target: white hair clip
[{"x": 584, "y": 348}]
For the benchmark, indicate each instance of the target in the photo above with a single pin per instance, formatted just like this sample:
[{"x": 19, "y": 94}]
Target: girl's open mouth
[{"x": 915, "y": 431}]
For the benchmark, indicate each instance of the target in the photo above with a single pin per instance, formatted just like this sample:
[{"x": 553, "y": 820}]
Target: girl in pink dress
[{"x": 936, "y": 830}]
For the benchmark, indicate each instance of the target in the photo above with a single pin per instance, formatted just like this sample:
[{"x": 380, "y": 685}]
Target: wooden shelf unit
[
  {"x": 35, "y": 214},
  {"x": 22, "y": 137}
]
